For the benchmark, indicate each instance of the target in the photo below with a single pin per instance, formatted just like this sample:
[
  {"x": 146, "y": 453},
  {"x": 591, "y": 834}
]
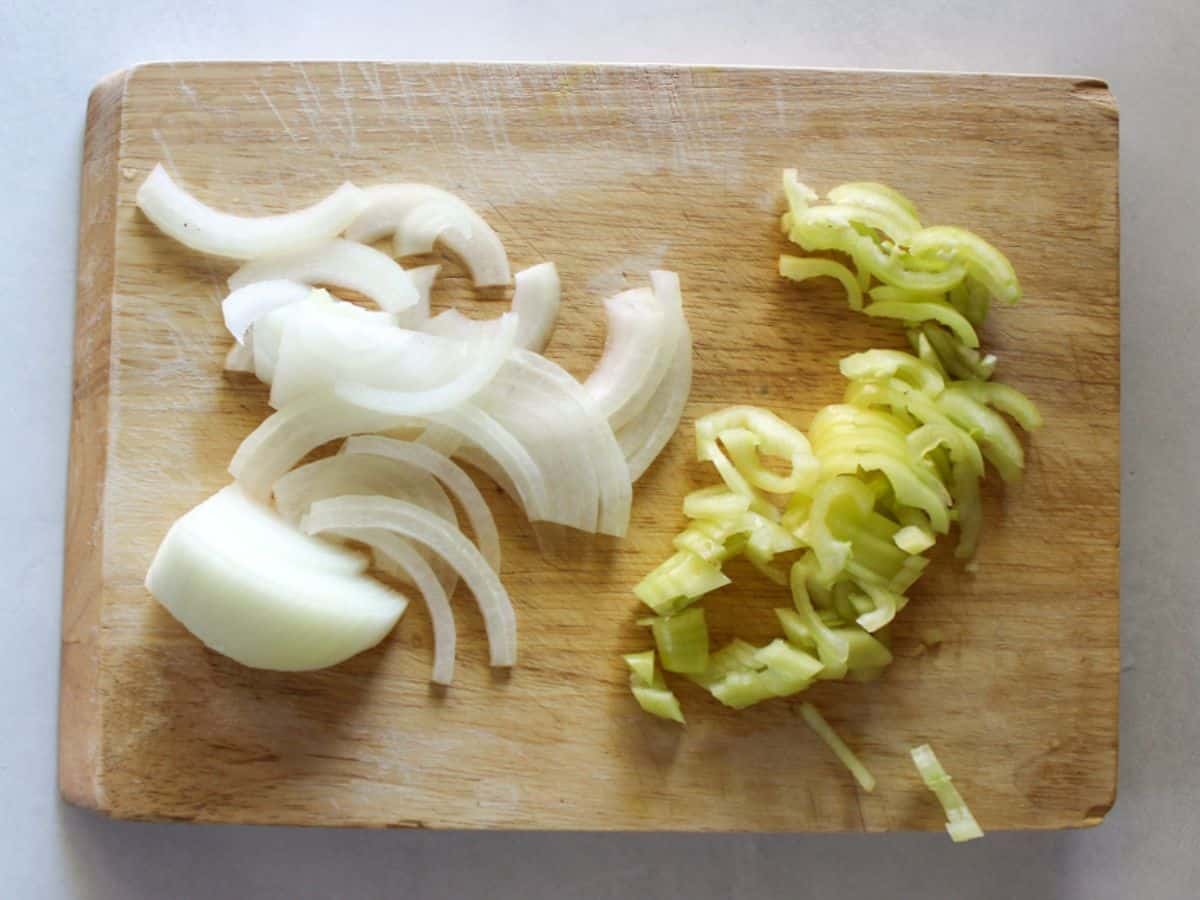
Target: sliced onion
[
  {"x": 250, "y": 523},
  {"x": 240, "y": 358},
  {"x": 192, "y": 223},
  {"x": 337, "y": 476},
  {"x": 252, "y": 587},
  {"x": 536, "y": 299},
  {"x": 633, "y": 362},
  {"x": 486, "y": 357},
  {"x": 549, "y": 426},
  {"x": 290, "y": 434},
  {"x": 423, "y": 278},
  {"x": 597, "y": 441},
  {"x": 267, "y": 332},
  {"x": 496, "y": 451},
  {"x": 440, "y": 467},
  {"x": 644, "y": 438},
  {"x": 247, "y": 305},
  {"x": 422, "y": 526},
  {"x": 339, "y": 263},
  {"x": 396, "y": 557},
  {"x": 419, "y": 214}
]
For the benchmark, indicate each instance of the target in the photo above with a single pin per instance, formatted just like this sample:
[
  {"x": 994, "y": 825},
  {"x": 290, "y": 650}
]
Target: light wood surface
[{"x": 610, "y": 172}]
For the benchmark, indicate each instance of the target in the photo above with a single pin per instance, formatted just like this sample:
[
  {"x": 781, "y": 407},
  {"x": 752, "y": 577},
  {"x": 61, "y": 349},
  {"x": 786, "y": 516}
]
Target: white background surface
[{"x": 50, "y": 59}]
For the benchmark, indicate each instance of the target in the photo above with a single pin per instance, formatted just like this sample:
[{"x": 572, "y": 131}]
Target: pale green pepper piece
[
  {"x": 678, "y": 582},
  {"x": 983, "y": 262},
  {"x": 682, "y": 641},
  {"x": 797, "y": 268},
  {"x": 932, "y": 310}
]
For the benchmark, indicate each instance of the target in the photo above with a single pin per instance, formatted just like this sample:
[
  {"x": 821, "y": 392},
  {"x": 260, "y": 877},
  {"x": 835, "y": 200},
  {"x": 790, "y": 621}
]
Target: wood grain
[{"x": 609, "y": 171}]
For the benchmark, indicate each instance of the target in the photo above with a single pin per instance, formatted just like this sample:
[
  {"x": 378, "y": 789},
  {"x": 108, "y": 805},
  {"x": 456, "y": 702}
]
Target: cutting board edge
[{"x": 80, "y": 716}]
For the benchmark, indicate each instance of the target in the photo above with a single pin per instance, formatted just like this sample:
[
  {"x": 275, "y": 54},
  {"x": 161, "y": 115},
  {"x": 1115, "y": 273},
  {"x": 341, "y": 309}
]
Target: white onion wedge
[
  {"x": 420, "y": 525},
  {"x": 194, "y": 224},
  {"x": 644, "y": 438},
  {"x": 338, "y": 263},
  {"x": 247, "y": 305},
  {"x": 417, "y": 215},
  {"x": 633, "y": 362},
  {"x": 482, "y": 360},
  {"x": 338, "y": 476},
  {"x": 217, "y": 573},
  {"x": 396, "y": 557},
  {"x": 440, "y": 467}
]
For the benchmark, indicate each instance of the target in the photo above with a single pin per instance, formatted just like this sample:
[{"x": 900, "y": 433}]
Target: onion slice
[
  {"x": 337, "y": 476},
  {"x": 487, "y": 357},
  {"x": 420, "y": 525},
  {"x": 440, "y": 467},
  {"x": 339, "y": 263},
  {"x": 596, "y": 440},
  {"x": 247, "y": 305},
  {"x": 192, "y": 223},
  {"x": 632, "y": 365},
  {"x": 290, "y": 434},
  {"x": 538, "y": 412},
  {"x": 396, "y": 557},
  {"x": 240, "y": 358},
  {"x": 423, "y": 278},
  {"x": 268, "y": 330},
  {"x": 417, "y": 215},
  {"x": 536, "y": 299},
  {"x": 644, "y": 438}
]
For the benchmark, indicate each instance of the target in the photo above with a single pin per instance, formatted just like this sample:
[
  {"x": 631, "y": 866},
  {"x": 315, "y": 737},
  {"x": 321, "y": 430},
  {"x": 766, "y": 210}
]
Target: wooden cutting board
[{"x": 610, "y": 172}]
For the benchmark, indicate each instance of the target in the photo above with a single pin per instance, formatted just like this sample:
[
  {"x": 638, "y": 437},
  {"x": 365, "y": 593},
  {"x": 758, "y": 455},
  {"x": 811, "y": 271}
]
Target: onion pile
[{"x": 446, "y": 387}]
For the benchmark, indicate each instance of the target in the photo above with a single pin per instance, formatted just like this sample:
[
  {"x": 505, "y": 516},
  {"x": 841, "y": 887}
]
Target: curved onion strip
[
  {"x": 632, "y": 365},
  {"x": 402, "y": 371},
  {"x": 247, "y": 305},
  {"x": 419, "y": 214},
  {"x": 339, "y": 263},
  {"x": 598, "y": 441},
  {"x": 535, "y": 302},
  {"x": 497, "y": 443},
  {"x": 644, "y": 437},
  {"x": 422, "y": 526},
  {"x": 290, "y": 434},
  {"x": 192, "y": 223},
  {"x": 337, "y": 476},
  {"x": 445, "y": 471},
  {"x": 396, "y": 557},
  {"x": 489, "y": 356},
  {"x": 240, "y": 358},
  {"x": 549, "y": 427},
  {"x": 423, "y": 278},
  {"x": 536, "y": 299}
]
